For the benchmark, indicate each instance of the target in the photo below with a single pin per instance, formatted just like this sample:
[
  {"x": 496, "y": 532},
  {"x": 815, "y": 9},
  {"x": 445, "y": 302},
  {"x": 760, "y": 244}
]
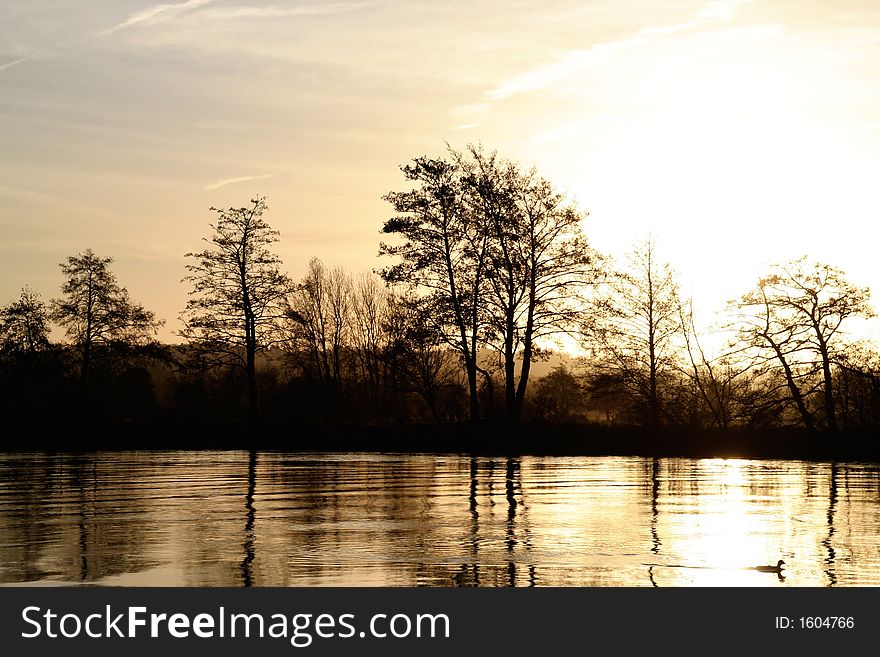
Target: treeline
[{"x": 487, "y": 271}]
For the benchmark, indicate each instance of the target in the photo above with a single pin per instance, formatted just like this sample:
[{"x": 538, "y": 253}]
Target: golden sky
[{"x": 736, "y": 132}]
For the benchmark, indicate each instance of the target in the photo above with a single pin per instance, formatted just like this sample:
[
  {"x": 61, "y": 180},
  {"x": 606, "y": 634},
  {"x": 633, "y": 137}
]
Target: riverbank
[{"x": 488, "y": 439}]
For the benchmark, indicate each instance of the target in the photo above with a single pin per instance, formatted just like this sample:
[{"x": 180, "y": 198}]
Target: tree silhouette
[
  {"x": 443, "y": 257},
  {"x": 559, "y": 396},
  {"x": 238, "y": 293},
  {"x": 96, "y": 312},
  {"x": 31, "y": 370},
  {"x": 320, "y": 312},
  {"x": 795, "y": 316},
  {"x": 499, "y": 255},
  {"x": 540, "y": 263},
  {"x": 418, "y": 359},
  {"x": 723, "y": 382},
  {"x": 858, "y": 386},
  {"x": 641, "y": 318},
  {"x": 24, "y": 325},
  {"x": 370, "y": 307}
]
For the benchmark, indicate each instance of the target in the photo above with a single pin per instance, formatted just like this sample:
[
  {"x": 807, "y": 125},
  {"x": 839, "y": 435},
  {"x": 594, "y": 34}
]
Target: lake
[{"x": 277, "y": 519}]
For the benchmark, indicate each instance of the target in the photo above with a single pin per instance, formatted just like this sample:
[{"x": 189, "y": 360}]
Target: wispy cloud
[
  {"x": 14, "y": 62},
  {"x": 243, "y": 12},
  {"x": 156, "y": 14},
  {"x": 165, "y": 13},
  {"x": 217, "y": 184},
  {"x": 569, "y": 62}
]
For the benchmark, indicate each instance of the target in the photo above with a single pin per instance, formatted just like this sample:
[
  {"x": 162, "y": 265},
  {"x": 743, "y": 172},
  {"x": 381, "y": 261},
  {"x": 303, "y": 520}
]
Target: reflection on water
[{"x": 269, "y": 519}]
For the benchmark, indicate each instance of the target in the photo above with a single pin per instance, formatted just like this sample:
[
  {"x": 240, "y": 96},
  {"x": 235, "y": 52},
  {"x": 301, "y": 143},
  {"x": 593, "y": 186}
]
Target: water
[{"x": 270, "y": 519}]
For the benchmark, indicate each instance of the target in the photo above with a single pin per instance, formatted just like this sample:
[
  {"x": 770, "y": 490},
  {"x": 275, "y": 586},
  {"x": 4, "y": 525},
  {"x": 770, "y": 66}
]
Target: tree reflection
[
  {"x": 828, "y": 541},
  {"x": 246, "y": 573},
  {"x": 362, "y": 519}
]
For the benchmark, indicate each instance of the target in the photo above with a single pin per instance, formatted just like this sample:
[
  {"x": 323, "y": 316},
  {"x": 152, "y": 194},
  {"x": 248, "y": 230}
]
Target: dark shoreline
[{"x": 484, "y": 440}]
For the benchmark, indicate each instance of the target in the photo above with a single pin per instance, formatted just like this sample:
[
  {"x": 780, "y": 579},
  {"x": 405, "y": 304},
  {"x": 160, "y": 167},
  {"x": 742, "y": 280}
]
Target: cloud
[
  {"x": 167, "y": 12},
  {"x": 567, "y": 64},
  {"x": 156, "y": 14},
  {"x": 233, "y": 181},
  {"x": 242, "y": 12},
  {"x": 571, "y": 61},
  {"x": 14, "y": 62}
]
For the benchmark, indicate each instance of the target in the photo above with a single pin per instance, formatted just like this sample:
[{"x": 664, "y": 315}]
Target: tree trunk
[
  {"x": 87, "y": 359},
  {"x": 471, "y": 367},
  {"x": 792, "y": 387},
  {"x": 527, "y": 348},
  {"x": 490, "y": 392},
  {"x": 251, "y": 358},
  {"x": 509, "y": 377},
  {"x": 87, "y": 343},
  {"x": 830, "y": 406},
  {"x": 653, "y": 402}
]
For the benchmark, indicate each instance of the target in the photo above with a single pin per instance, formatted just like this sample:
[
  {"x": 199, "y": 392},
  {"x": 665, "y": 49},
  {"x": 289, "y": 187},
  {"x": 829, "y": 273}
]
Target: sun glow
[
  {"x": 732, "y": 147},
  {"x": 726, "y": 531}
]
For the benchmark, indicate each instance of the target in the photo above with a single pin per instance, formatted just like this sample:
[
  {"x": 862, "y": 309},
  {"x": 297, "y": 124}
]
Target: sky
[{"x": 735, "y": 132}]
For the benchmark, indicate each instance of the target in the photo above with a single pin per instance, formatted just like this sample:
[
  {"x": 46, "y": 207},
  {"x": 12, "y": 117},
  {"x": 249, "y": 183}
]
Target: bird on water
[{"x": 771, "y": 569}]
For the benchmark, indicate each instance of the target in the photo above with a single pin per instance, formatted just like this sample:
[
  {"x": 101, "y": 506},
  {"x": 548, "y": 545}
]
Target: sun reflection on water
[{"x": 233, "y": 519}]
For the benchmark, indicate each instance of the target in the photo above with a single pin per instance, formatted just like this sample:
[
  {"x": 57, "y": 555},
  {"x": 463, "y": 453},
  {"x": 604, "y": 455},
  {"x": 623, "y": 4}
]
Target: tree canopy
[
  {"x": 795, "y": 316},
  {"x": 500, "y": 255},
  {"x": 24, "y": 325},
  {"x": 96, "y": 312}
]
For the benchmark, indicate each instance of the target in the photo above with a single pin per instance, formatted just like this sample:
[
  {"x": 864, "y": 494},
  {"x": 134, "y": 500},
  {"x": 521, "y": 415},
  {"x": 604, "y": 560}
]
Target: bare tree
[
  {"x": 539, "y": 262},
  {"x": 238, "y": 292},
  {"x": 24, "y": 325},
  {"x": 723, "y": 380},
  {"x": 443, "y": 257},
  {"x": 640, "y": 311},
  {"x": 369, "y": 312},
  {"x": 500, "y": 253},
  {"x": 320, "y": 311},
  {"x": 97, "y": 313},
  {"x": 29, "y": 369},
  {"x": 858, "y": 386},
  {"x": 795, "y": 315}
]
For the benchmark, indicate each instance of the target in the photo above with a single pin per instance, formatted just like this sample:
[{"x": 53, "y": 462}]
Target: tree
[
  {"x": 640, "y": 311},
  {"x": 723, "y": 381},
  {"x": 540, "y": 263},
  {"x": 559, "y": 396},
  {"x": 858, "y": 386},
  {"x": 238, "y": 293},
  {"x": 320, "y": 310},
  {"x": 443, "y": 257},
  {"x": 24, "y": 325},
  {"x": 31, "y": 371},
  {"x": 499, "y": 254},
  {"x": 795, "y": 316},
  {"x": 97, "y": 314},
  {"x": 419, "y": 361},
  {"x": 370, "y": 306},
  {"x": 375, "y": 357}
]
